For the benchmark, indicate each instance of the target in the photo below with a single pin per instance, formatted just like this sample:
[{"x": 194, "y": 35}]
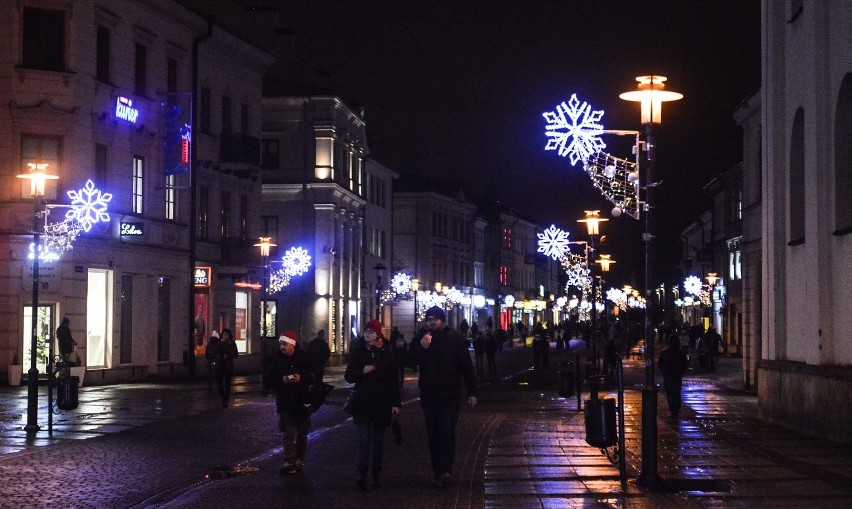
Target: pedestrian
[
  {"x": 491, "y": 348},
  {"x": 66, "y": 345},
  {"x": 318, "y": 354},
  {"x": 373, "y": 369},
  {"x": 474, "y": 329},
  {"x": 400, "y": 352},
  {"x": 541, "y": 349},
  {"x": 683, "y": 338},
  {"x": 673, "y": 364},
  {"x": 710, "y": 344},
  {"x": 223, "y": 358},
  {"x": 479, "y": 353},
  {"x": 292, "y": 375},
  {"x": 463, "y": 328},
  {"x": 210, "y": 354},
  {"x": 610, "y": 358},
  {"x": 444, "y": 364}
]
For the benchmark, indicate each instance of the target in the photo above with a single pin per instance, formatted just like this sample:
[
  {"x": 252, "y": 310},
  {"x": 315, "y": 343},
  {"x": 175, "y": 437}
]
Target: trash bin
[
  {"x": 565, "y": 376},
  {"x": 600, "y": 422},
  {"x": 66, "y": 396}
]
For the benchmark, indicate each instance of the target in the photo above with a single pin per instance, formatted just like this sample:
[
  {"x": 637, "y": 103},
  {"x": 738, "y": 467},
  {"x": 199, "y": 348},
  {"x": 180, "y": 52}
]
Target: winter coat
[
  {"x": 225, "y": 352},
  {"x": 673, "y": 363},
  {"x": 66, "y": 342},
  {"x": 291, "y": 398},
  {"x": 443, "y": 367},
  {"x": 375, "y": 392}
]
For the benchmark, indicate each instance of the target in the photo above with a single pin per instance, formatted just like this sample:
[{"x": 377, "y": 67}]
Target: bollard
[
  {"x": 565, "y": 376},
  {"x": 600, "y": 422},
  {"x": 66, "y": 395}
]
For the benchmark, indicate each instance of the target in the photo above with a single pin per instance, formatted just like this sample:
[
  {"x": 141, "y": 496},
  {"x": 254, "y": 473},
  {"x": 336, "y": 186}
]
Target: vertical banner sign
[{"x": 177, "y": 137}]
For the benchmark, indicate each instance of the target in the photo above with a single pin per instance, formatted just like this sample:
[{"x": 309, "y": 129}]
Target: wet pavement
[{"x": 172, "y": 445}]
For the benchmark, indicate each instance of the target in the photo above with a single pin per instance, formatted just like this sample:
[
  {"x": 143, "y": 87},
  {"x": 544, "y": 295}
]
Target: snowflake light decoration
[
  {"x": 692, "y": 285},
  {"x": 453, "y": 296},
  {"x": 576, "y": 270},
  {"x": 574, "y": 130},
  {"x": 400, "y": 283},
  {"x": 296, "y": 261},
  {"x": 617, "y": 296},
  {"x": 278, "y": 280},
  {"x": 553, "y": 242},
  {"x": 88, "y": 206}
]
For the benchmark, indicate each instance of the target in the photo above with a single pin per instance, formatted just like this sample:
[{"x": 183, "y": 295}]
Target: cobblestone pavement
[{"x": 172, "y": 445}]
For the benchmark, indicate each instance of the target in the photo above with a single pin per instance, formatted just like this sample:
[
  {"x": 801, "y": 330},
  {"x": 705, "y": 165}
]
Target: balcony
[{"x": 238, "y": 148}]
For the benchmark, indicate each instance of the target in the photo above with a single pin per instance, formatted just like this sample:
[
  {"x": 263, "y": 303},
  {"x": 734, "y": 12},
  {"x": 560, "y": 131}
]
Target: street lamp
[
  {"x": 380, "y": 273},
  {"x": 264, "y": 243},
  {"x": 593, "y": 221},
  {"x": 415, "y": 287},
  {"x": 37, "y": 177},
  {"x": 712, "y": 278},
  {"x": 651, "y": 94}
]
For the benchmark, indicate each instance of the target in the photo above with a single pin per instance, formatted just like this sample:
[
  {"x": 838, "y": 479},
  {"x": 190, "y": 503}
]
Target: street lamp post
[
  {"x": 380, "y": 272},
  {"x": 651, "y": 94},
  {"x": 415, "y": 287},
  {"x": 712, "y": 278},
  {"x": 593, "y": 221},
  {"x": 264, "y": 243},
  {"x": 37, "y": 178}
]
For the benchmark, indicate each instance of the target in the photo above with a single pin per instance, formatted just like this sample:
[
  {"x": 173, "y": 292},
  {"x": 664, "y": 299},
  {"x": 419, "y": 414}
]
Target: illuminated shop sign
[
  {"x": 185, "y": 139},
  {"x": 131, "y": 229},
  {"x": 124, "y": 109},
  {"x": 202, "y": 276}
]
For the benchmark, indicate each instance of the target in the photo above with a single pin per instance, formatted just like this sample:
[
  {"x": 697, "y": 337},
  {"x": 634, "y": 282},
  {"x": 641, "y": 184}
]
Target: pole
[
  {"x": 590, "y": 253},
  {"x": 32, "y": 374},
  {"x": 648, "y": 476},
  {"x": 379, "y": 298},
  {"x": 622, "y": 456},
  {"x": 414, "y": 315},
  {"x": 263, "y": 331}
]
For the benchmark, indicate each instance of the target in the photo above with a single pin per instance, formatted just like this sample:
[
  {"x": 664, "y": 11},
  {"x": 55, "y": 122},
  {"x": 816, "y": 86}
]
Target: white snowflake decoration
[
  {"x": 400, "y": 283},
  {"x": 296, "y": 261},
  {"x": 88, "y": 206},
  {"x": 553, "y": 242},
  {"x": 617, "y": 296},
  {"x": 574, "y": 130},
  {"x": 453, "y": 296},
  {"x": 576, "y": 270},
  {"x": 692, "y": 285},
  {"x": 278, "y": 280}
]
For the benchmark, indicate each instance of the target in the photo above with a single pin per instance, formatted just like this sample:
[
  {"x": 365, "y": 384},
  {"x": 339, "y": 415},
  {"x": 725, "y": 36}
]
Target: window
[
  {"x": 503, "y": 276},
  {"x": 102, "y": 54},
  {"x": 203, "y": 212},
  {"x": 243, "y": 216},
  {"x": 269, "y": 156},
  {"x": 796, "y": 184},
  {"x": 138, "y": 183},
  {"x": 225, "y": 215},
  {"x": 40, "y": 150},
  {"x": 101, "y": 153},
  {"x": 507, "y": 238},
  {"x": 44, "y": 39},
  {"x": 843, "y": 158},
  {"x": 140, "y": 68},
  {"x": 204, "y": 110},
  {"x": 227, "y": 116},
  {"x": 269, "y": 225},
  {"x": 171, "y": 195},
  {"x": 735, "y": 270}
]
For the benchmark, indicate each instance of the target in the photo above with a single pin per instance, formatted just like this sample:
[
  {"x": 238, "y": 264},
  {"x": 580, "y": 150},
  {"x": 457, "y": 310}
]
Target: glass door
[{"x": 44, "y": 334}]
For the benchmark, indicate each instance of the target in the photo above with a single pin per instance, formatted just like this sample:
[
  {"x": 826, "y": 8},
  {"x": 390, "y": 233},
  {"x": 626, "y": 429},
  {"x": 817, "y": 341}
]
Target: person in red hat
[
  {"x": 292, "y": 375},
  {"x": 374, "y": 371}
]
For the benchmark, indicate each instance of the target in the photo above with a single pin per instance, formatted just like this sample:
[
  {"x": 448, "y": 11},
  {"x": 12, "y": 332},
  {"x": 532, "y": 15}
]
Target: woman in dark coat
[
  {"x": 375, "y": 373},
  {"x": 224, "y": 354}
]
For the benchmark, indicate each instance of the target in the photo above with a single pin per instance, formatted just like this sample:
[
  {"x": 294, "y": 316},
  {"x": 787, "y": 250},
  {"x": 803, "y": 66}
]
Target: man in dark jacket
[
  {"x": 673, "y": 364},
  {"x": 318, "y": 354},
  {"x": 292, "y": 375},
  {"x": 441, "y": 354}
]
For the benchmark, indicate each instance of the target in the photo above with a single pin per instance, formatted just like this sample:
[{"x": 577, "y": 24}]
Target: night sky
[{"x": 455, "y": 91}]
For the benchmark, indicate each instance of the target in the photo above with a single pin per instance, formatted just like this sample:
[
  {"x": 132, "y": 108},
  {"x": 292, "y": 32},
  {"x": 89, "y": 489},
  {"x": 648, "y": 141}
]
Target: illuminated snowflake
[
  {"x": 400, "y": 283},
  {"x": 576, "y": 270},
  {"x": 692, "y": 285},
  {"x": 616, "y": 296},
  {"x": 453, "y": 296},
  {"x": 574, "y": 130},
  {"x": 88, "y": 206},
  {"x": 296, "y": 261},
  {"x": 553, "y": 242},
  {"x": 278, "y": 280}
]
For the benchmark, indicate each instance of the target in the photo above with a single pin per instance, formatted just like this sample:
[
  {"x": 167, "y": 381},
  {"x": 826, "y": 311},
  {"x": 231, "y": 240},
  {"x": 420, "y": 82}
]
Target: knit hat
[
  {"x": 374, "y": 325},
  {"x": 289, "y": 337},
  {"x": 436, "y": 312},
  {"x": 215, "y": 334}
]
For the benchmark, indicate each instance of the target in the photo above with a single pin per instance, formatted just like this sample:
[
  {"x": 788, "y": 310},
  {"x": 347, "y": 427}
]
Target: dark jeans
[
  {"x": 673, "y": 386},
  {"x": 441, "y": 418},
  {"x": 370, "y": 438},
  {"x": 223, "y": 383}
]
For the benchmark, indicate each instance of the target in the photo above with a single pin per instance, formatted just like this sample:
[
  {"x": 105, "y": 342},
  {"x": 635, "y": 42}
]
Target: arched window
[
  {"x": 843, "y": 159},
  {"x": 796, "y": 188}
]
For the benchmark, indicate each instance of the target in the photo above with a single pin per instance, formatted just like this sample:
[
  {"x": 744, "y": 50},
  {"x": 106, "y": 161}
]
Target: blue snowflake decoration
[
  {"x": 553, "y": 242},
  {"x": 88, "y": 206},
  {"x": 574, "y": 130},
  {"x": 400, "y": 283},
  {"x": 692, "y": 285},
  {"x": 296, "y": 261}
]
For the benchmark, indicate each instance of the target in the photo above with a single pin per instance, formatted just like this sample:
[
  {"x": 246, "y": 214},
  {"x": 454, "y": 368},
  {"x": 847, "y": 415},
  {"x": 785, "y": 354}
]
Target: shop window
[{"x": 43, "y": 42}]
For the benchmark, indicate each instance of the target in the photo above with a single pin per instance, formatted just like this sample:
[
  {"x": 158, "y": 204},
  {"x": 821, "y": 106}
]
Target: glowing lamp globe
[{"x": 651, "y": 94}]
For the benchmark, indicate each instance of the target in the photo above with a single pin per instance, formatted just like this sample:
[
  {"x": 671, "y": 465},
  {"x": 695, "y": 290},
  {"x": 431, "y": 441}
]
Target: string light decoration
[
  {"x": 617, "y": 179},
  {"x": 278, "y": 280},
  {"x": 553, "y": 242},
  {"x": 296, "y": 261},
  {"x": 616, "y": 296},
  {"x": 574, "y": 130},
  {"x": 692, "y": 285},
  {"x": 400, "y": 284},
  {"x": 579, "y": 276},
  {"x": 453, "y": 297}
]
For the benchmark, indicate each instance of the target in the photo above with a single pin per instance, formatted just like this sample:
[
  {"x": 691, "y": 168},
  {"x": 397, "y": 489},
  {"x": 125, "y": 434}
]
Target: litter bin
[
  {"x": 66, "y": 396},
  {"x": 600, "y": 422},
  {"x": 565, "y": 376}
]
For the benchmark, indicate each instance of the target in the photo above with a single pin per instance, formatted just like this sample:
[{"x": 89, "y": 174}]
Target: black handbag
[
  {"x": 397, "y": 430},
  {"x": 317, "y": 393},
  {"x": 349, "y": 405}
]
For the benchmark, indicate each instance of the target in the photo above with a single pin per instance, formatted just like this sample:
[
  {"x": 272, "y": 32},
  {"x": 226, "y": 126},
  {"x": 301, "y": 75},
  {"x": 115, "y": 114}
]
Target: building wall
[{"x": 807, "y": 279}]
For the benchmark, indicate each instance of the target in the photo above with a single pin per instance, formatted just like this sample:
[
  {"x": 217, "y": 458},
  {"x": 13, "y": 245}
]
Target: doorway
[{"x": 45, "y": 326}]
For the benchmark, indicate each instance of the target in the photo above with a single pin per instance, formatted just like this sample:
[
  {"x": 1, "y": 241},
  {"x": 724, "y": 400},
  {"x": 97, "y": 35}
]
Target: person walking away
[
  {"x": 683, "y": 338},
  {"x": 400, "y": 353},
  {"x": 474, "y": 330},
  {"x": 491, "y": 347},
  {"x": 443, "y": 360},
  {"x": 292, "y": 375},
  {"x": 479, "y": 353},
  {"x": 318, "y": 354},
  {"x": 540, "y": 346},
  {"x": 673, "y": 364},
  {"x": 210, "y": 354},
  {"x": 712, "y": 342},
  {"x": 373, "y": 369},
  {"x": 224, "y": 355},
  {"x": 66, "y": 343}
]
